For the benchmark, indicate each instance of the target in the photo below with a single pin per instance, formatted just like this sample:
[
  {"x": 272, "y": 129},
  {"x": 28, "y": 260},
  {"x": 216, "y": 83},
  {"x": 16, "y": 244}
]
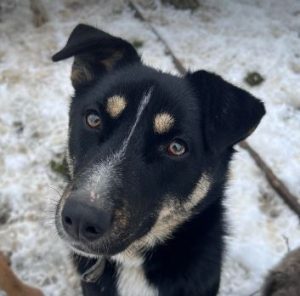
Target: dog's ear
[
  {"x": 229, "y": 113},
  {"x": 95, "y": 53}
]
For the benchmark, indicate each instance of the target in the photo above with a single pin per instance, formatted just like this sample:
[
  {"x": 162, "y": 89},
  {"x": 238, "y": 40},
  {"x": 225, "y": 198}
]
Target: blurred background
[{"x": 251, "y": 43}]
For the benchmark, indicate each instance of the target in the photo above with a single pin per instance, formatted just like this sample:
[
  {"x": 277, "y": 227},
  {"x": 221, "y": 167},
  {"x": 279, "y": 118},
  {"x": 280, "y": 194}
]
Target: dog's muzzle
[{"x": 82, "y": 220}]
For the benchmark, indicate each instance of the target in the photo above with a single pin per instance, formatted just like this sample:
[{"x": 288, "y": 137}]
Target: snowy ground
[{"x": 227, "y": 37}]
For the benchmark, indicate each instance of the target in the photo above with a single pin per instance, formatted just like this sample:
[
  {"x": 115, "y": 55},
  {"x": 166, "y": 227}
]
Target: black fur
[{"x": 211, "y": 116}]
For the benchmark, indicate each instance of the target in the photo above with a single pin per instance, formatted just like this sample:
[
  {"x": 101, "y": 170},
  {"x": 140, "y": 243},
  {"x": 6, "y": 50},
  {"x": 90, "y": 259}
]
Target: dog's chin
[
  {"x": 97, "y": 250},
  {"x": 83, "y": 252},
  {"x": 104, "y": 247}
]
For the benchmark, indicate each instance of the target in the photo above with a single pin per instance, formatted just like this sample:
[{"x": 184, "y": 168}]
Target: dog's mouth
[
  {"x": 116, "y": 240},
  {"x": 107, "y": 246},
  {"x": 126, "y": 223},
  {"x": 81, "y": 249}
]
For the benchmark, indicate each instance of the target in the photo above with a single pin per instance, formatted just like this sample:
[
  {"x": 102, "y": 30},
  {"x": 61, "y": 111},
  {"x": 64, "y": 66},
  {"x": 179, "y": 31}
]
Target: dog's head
[{"x": 145, "y": 147}]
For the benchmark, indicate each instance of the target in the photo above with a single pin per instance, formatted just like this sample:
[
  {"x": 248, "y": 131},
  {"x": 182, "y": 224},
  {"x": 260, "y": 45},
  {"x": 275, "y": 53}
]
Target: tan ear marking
[
  {"x": 163, "y": 122},
  {"x": 80, "y": 73},
  {"x": 110, "y": 61},
  {"x": 115, "y": 106}
]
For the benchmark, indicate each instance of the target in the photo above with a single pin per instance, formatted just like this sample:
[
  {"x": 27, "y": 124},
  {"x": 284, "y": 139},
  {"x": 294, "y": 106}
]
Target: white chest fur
[{"x": 131, "y": 280}]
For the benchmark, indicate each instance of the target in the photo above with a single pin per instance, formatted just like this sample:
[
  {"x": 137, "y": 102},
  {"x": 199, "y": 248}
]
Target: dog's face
[{"x": 144, "y": 146}]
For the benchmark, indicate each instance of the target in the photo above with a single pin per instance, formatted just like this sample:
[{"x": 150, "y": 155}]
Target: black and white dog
[{"x": 148, "y": 157}]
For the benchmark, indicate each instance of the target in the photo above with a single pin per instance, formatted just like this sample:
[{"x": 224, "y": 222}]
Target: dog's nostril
[
  {"x": 92, "y": 230},
  {"x": 68, "y": 220}
]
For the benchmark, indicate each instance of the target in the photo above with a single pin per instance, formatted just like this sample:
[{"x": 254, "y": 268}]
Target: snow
[{"x": 230, "y": 38}]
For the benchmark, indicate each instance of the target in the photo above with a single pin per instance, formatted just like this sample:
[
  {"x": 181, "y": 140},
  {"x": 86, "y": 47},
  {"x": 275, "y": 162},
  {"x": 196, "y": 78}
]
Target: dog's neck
[
  {"x": 138, "y": 273},
  {"x": 131, "y": 278},
  {"x": 128, "y": 259},
  {"x": 135, "y": 273}
]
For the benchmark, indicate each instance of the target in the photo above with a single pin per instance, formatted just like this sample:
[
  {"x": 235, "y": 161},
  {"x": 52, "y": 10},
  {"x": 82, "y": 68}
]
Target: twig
[
  {"x": 255, "y": 293},
  {"x": 39, "y": 14},
  {"x": 290, "y": 199},
  {"x": 181, "y": 69},
  {"x": 273, "y": 180},
  {"x": 286, "y": 239}
]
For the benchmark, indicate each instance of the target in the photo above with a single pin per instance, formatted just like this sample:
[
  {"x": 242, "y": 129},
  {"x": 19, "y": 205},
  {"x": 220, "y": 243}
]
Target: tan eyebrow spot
[
  {"x": 163, "y": 122},
  {"x": 115, "y": 106}
]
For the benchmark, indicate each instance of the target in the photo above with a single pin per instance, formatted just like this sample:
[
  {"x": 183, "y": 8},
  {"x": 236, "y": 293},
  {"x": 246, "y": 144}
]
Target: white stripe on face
[
  {"x": 140, "y": 110},
  {"x": 103, "y": 173}
]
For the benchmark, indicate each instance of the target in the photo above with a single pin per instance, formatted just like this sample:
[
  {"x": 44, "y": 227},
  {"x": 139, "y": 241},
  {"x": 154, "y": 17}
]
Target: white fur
[
  {"x": 141, "y": 108},
  {"x": 131, "y": 277},
  {"x": 128, "y": 259},
  {"x": 70, "y": 163},
  {"x": 132, "y": 282}
]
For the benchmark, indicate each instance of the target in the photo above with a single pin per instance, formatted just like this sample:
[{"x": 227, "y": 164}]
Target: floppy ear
[
  {"x": 229, "y": 113},
  {"x": 96, "y": 53}
]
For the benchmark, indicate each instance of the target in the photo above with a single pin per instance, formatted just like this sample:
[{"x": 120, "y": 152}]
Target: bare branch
[
  {"x": 290, "y": 199},
  {"x": 39, "y": 14}
]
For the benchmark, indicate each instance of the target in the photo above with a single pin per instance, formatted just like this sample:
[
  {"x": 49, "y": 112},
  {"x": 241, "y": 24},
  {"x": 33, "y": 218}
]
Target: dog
[
  {"x": 283, "y": 279},
  {"x": 148, "y": 155}
]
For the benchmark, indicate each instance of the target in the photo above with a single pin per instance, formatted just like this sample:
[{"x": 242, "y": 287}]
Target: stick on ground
[
  {"x": 273, "y": 180},
  {"x": 290, "y": 199},
  {"x": 39, "y": 14}
]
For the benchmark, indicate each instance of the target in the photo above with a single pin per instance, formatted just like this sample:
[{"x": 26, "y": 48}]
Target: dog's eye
[
  {"x": 177, "y": 148},
  {"x": 93, "y": 120}
]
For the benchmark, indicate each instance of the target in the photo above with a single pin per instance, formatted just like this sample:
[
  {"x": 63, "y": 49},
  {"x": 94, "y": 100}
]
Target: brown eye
[
  {"x": 93, "y": 120},
  {"x": 177, "y": 148}
]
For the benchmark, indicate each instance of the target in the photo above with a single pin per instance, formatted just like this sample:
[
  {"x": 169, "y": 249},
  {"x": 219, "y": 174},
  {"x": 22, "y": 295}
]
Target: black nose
[{"x": 83, "y": 221}]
